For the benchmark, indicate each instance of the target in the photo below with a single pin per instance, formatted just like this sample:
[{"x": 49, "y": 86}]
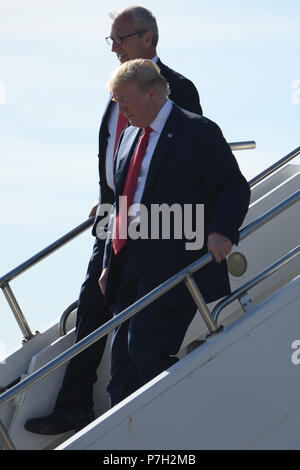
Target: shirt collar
[{"x": 160, "y": 120}]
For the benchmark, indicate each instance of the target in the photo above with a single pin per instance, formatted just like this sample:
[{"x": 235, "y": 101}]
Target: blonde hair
[{"x": 144, "y": 72}]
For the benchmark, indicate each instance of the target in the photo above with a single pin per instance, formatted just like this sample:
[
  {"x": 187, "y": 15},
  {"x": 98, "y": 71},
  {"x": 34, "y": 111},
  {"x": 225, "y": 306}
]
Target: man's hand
[
  {"x": 103, "y": 279},
  {"x": 93, "y": 211},
  {"x": 219, "y": 246}
]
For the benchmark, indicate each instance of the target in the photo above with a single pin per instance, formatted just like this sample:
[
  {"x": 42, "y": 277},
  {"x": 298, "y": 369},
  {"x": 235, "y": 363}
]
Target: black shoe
[{"x": 60, "y": 421}]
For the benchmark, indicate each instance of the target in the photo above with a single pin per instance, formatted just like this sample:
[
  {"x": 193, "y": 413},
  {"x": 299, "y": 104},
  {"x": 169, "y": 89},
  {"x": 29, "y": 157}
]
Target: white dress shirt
[
  {"x": 157, "y": 126},
  {"x": 112, "y": 130}
]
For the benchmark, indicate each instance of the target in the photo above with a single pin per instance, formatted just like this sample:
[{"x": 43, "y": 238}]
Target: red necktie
[
  {"x": 122, "y": 123},
  {"x": 120, "y": 237}
]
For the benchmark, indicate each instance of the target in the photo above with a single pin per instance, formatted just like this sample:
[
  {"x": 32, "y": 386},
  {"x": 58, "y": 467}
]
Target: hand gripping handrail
[{"x": 184, "y": 275}]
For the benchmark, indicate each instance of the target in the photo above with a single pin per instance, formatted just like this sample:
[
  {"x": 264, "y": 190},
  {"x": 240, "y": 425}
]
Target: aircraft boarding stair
[{"x": 237, "y": 388}]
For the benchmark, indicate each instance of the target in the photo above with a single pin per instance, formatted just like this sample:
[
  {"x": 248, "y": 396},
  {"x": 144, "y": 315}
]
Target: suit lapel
[
  {"x": 164, "y": 143},
  {"x": 105, "y": 116},
  {"x": 161, "y": 66},
  {"x": 128, "y": 145},
  {"x": 108, "y": 104}
]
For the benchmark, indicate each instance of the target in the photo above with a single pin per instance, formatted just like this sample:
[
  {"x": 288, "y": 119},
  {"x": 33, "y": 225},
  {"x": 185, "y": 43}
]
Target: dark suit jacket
[
  {"x": 183, "y": 93},
  {"x": 192, "y": 164}
]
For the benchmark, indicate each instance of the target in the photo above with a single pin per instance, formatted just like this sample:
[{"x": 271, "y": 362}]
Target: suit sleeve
[
  {"x": 230, "y": 190},
  {"x": 185, "y": 94},
  {"x": 183, "y": 91},
  {"x": 107, "y": 253},
  {"x": 109, "y": 237}
]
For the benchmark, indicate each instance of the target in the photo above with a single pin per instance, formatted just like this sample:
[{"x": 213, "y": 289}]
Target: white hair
[{"x": 143, "y": 19}]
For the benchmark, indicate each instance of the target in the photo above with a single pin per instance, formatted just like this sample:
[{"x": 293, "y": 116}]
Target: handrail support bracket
[
  {"x": 8, "y": 443},
  {"x": 18, "y": 314},
  {"x": 246, "y": 302},
  {"x": 200, "y": 302}
]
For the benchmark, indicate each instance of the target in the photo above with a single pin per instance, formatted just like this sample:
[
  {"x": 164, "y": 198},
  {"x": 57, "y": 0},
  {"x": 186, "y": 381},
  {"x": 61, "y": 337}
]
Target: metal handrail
[
  {"x": 253, "y": 282},
  {"x": 184, "y": 275},
  {"x": 234, "y": 146},
  {"x": 65, "y": 316},
  {"x": 246, "y": 145},
  {"x": 4, "y": 280},
  {"x": 268, "y": 171},
  {"x": 18, "y": 314}
]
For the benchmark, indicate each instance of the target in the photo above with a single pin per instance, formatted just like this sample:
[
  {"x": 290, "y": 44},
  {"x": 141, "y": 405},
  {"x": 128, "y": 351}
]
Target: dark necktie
[
  {"x": 120, "y": 236},
  {"x": 121, "y": 125}
]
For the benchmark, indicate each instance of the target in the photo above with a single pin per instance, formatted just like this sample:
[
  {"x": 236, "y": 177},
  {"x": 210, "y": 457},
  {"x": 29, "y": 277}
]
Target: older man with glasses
[{"x": 133, "y": 35}]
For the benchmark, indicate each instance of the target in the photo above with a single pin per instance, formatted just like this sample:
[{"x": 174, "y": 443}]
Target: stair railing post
[{"x": 16, "y": 310}]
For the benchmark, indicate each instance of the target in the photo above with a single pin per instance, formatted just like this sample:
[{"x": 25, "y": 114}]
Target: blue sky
[{"x": 54, "y": 64}]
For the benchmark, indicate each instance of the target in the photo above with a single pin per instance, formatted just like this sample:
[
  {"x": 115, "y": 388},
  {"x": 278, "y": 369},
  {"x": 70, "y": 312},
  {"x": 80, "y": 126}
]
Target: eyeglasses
[{"x": 120, "y": 39}]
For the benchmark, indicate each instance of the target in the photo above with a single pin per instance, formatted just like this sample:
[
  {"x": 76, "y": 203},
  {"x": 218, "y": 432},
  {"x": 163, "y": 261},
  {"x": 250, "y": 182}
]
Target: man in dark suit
[
  {"x": 134, "y": 34},
  {"x": 182, "y": 159}
]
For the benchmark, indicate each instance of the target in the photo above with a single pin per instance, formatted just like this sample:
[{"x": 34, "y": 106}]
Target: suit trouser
[
  {"x": 77, "y": 387},
  {"x": 145, "y": 345}
]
